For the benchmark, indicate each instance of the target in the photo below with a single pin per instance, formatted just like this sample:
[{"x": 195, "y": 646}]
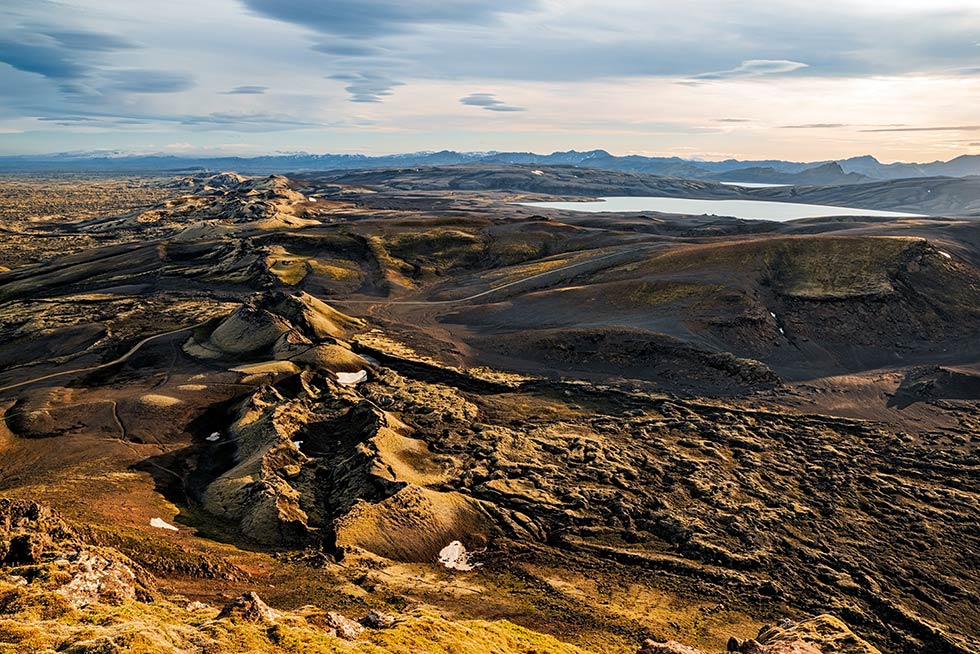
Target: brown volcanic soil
[{"x": 658, "y": 427}]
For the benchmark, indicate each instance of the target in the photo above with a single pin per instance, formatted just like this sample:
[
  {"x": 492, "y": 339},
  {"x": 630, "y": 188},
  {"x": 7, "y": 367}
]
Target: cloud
[
  {"x": 348, "y": 49},
  {"x": 489, "y": 102},
  {"x": 222, "y": 120},
  {"x": 367, "y": 87},
  {"x": 815, "y": 126},
  {"x": 945, "y": 128},
  {"x": 376, "y": 17},
  {"x": 247, "y": 90},
  {"x": 592, "y": 67},
  {"x": 149, "y": 81},
  {"x": 52, "y": 62},
  {"x": 89, "y": 41},
  {"x": 251, "y": 120},
  {"x": 56, "y": 54},
  {"x": 755, "y": 68}
]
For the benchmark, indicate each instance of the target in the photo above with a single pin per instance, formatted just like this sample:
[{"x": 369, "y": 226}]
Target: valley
[{"x": 639, "y": 425}]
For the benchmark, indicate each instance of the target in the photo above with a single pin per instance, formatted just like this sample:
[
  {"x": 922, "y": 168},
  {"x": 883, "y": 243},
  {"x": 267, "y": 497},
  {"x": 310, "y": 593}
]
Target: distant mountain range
[{"x": 845, "y": 171}]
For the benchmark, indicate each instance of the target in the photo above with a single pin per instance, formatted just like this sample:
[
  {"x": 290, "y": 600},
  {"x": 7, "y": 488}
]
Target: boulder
[
  {"x": 345, "y": 627},
  {"x": 248, "y": 607},
  {"x": 98, "y": 579},
  {"x": 378, "y": 620}
]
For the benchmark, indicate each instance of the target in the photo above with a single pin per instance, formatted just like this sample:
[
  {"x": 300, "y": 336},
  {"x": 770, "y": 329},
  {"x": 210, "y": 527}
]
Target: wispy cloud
[
  {"x": 754, "y": 68},
  {"x": 489, "y": 102},
  {"x": 367, "y": 87},
  {"x": 58, "y": 54},
  {"x": 942, "y": 128},
  {"x": 247, "y": 90},
  {"x": 374, "y": 17},
  {"x": 815, "y": 126},
  {"x": 149, "y": 81}
]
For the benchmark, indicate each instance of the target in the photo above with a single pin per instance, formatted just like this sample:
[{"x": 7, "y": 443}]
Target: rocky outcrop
[
  {"x": 344, "y": 627},
  {"x": 248, "y": 607},
  {"x": 328, "y": 464},
  {"x": 823, "y": 634},
  {"x": 95, "y": 578},
  {"x": 50, "y": 552},
  {"x": 378, "y": 620}
]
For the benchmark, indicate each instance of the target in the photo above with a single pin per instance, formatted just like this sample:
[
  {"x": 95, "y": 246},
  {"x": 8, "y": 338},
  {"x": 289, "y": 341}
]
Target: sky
[{"x": 701, "y": 79}]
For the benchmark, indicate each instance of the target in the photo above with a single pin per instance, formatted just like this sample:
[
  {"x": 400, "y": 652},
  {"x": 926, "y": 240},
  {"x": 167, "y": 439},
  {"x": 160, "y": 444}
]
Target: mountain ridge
[{"x": 851, "y": 170}]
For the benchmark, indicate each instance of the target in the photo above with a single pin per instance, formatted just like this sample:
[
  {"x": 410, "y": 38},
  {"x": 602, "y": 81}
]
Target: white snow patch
[
  {"x": 946, "y": 254},
  {"x": 160, "y": 524},
  {"x": 352, "y": 378},
  {"x": 455, "y": 557},
  {"x": 773, "y": 315},
  {"x": 216, "y": 436},
  {"x": 781, "y": 331},
  {"x": 537, "y": 172}
]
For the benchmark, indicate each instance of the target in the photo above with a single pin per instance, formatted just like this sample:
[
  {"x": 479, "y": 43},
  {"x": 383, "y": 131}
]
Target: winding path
[
  {"x": 125, "y": 357},
  {"x": 133, "y": 350},
  {"x": 496, "y": 289}
]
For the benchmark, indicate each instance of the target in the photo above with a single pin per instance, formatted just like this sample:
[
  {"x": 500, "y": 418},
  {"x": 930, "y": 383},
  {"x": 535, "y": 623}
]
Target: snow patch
[
  {"x": 160, "y": 524},
  {"x": 352, "y": 378},
  {"x": 946, "y": 254},
  {"x": 455, "y": 557},
  {"x": 216, "y": 436},
  {"x": 537, "y": 172}
]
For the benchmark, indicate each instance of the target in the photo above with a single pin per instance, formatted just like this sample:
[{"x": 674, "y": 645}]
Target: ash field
[{"x": 400, "y": 410}]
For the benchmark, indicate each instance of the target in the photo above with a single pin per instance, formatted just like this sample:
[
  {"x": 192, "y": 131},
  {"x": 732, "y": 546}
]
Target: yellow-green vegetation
[
  {"x": 335, "y": 269},
  {"x": 807, "y": 267},
  {"x": 516, "y": 273},
  {"x": 835, "y": 268},
  {"x": 36, "y": 620},
  {"x": 289, "y": 268},
  {"x": 394, "y": 269},
  {"x": 660, "y": 293},
  {"x": 442, "y": 249},
  {"x": 511, "y": 252}
]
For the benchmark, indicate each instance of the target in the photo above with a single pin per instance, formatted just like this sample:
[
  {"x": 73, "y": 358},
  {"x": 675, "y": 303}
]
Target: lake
[{"x": 747, "y": 209}]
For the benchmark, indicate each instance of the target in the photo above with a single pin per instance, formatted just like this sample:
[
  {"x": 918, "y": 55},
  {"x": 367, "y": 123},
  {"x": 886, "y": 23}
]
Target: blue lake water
[{"x": 747, "y": 209}]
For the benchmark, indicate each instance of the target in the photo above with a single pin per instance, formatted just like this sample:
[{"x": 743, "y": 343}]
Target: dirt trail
[
  {"x": 476, "y": 296},
  {"x": 125, "y": 357}
]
